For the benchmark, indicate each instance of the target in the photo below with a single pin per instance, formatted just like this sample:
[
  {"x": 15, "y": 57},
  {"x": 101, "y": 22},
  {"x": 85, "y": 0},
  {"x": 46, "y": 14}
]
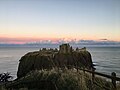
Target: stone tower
[{"x": 65, "y": 48}]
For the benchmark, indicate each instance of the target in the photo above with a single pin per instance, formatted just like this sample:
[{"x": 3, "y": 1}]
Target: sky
[{"x": 24, "y": 21}]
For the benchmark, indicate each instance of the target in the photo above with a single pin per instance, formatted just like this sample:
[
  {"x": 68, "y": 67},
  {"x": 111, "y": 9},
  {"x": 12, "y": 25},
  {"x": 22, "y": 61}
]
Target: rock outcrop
[{"x": 65, "y": 57}]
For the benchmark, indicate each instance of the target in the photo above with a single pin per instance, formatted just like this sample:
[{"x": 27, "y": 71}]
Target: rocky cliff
[{"x": 65, "y": 57}]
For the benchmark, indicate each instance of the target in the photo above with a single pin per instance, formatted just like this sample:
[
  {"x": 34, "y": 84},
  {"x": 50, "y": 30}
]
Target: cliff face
[
  {"x": 75, "y": 59},
  {"x": 33, "y": 61},
  {"x": 47, "y": 59}
]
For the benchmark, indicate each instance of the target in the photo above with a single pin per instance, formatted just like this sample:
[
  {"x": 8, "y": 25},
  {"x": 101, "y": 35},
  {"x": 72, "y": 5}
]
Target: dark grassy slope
[
  {"x": 47, "y": 60},
  {"x": 55, "y": 79}
]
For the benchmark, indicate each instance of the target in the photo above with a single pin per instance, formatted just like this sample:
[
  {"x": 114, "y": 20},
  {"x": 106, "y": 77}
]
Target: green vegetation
[
  {"x": 61, "y": 80},
  {"x": 5, "y": 77}
]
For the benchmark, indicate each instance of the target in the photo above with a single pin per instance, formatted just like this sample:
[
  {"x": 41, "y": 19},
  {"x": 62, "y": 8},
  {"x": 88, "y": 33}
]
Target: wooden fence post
[
  {"x": 93, "y": 75},
  {"x": 77, "y": 68},
  {"x": 113, "y": 74},
  {"x": 83, "y": 71}
]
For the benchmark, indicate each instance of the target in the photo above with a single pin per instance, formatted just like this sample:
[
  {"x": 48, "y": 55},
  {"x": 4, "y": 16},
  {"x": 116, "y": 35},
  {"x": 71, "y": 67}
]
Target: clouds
[
  {"x": 99, "y": 42},
  {"x": 34, "y": 41},
  {"x": 104, "y": 39}
]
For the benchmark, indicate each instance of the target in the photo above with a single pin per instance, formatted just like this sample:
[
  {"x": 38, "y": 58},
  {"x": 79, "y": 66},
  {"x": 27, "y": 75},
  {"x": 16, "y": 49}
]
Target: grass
[{"x": 62, "y": 80}]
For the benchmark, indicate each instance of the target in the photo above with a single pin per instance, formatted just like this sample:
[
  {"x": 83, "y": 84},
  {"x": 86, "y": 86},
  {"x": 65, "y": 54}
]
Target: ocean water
[{"x": 106, "y": 59}]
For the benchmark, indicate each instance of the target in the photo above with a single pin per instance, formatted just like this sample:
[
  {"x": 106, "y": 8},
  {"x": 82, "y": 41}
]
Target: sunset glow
[{"x": 23, "y": 21}]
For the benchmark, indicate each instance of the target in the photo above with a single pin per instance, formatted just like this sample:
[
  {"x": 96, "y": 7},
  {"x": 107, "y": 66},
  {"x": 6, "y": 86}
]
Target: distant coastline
[
  {"x": 55, "y": 45},
  {"x": 94, "y": 43}
]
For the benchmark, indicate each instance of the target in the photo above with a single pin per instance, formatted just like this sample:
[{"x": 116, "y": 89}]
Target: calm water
[{"x": 107, "y": 59}]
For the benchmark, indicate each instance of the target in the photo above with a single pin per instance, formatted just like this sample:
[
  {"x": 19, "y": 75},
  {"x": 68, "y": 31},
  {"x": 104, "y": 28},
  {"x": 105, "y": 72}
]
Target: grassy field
[{"x": 60, "y": 80}]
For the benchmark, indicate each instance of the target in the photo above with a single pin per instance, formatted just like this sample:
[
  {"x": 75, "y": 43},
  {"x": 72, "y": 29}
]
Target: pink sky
[
  {"x": 23, "y": 21},
  {"x": 24, "y": 40}
]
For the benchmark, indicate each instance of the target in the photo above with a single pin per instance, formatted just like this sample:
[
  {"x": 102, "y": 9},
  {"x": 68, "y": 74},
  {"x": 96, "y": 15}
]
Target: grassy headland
[{"x": 59, "y": 80}]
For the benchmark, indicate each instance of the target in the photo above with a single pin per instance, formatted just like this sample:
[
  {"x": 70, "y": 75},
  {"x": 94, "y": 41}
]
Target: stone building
[{"x": 65, "y": 48}]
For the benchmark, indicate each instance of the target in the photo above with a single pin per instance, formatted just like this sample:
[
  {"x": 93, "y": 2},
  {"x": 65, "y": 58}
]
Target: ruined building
[
  {"x": 47, "y": 59},
  {"x": 65, "y": 48}
]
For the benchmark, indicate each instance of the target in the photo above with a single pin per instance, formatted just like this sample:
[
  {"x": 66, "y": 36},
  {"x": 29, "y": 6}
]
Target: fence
[
  {"x": 93, "y": 73},
  {"x": 113, "y": 77}
]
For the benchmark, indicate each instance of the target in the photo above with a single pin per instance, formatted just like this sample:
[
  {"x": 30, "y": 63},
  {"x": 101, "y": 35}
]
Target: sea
[{"x": 105, "y": 57}]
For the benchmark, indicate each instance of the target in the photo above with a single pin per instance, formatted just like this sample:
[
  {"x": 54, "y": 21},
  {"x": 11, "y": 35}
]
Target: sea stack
[{"x": 64, "y": 57}]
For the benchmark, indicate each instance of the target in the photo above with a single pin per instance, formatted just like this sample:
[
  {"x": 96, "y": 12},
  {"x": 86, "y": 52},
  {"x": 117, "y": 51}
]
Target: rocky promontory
[{"x": 65, "y": 57}]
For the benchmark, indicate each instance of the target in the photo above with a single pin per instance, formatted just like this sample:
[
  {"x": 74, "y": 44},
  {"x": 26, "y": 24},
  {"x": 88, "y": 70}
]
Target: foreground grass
[{"x": 61, "y": 80}]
